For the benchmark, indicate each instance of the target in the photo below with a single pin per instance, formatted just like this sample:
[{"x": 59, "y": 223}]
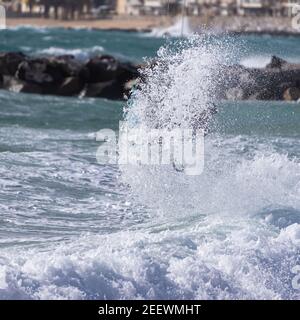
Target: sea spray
[
  {"x": 178, "y": 84},
  {"x": 68, "y": 231},
  {"x": 176, "y": 90}
]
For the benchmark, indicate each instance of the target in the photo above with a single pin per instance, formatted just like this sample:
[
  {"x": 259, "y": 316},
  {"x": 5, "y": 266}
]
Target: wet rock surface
[
  {"x": 106, "y": 77},
  {"x": 101, "y": 76},
  {"x": 279, "y": 80}
]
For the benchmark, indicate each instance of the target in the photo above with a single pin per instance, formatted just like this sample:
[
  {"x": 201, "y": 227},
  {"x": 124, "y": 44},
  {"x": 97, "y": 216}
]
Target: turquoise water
[
  {"x": 129, "y": 46},
  {"x": 134, "y": 46},
  {"x": 71, "y": 228}
]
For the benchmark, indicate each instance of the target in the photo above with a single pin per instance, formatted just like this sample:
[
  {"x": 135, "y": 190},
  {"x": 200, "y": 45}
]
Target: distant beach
[
  {"x": 122, "y": 23},
  {"x": 231, "y": 24}
]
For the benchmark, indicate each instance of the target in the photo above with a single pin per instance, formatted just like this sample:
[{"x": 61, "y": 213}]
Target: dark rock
[
  {"x": 31, "y": 88},
  {"x": 104, "y": 76},
  {"x": 267, "y": 84},
  {"x": 67, "y": 64},
  {"x": 291, "y": 67},
  {"x": 65, "y": 57},
  {"x": 46, "y": 70},
  {"x": 291, "y": 94},
  {"x": 84, "y": 74},
  {"x": 263, "y": 94},
  {"x": 9, "y": 62},
  {"x": 34, "y": 71},
  {"x": 276, "y": 62},
  {"x": 101, "y": 76},
  {"x": 108, "y": 90},
  {"x": 12, "y": 84},
  {"x": 129, "y": 86},
  {"x": 102, "y": 69},
  {"x": 233, "y": 83},
  {"x": 127, "y": 72},
  {"x": 70, "y": 87}
]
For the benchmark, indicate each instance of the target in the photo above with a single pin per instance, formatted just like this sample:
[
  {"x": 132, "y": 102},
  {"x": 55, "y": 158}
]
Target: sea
[{"x": 74, "y": 228}]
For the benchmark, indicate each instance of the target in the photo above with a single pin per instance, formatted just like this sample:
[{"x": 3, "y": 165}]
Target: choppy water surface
[{"x": 71, "y": 228}]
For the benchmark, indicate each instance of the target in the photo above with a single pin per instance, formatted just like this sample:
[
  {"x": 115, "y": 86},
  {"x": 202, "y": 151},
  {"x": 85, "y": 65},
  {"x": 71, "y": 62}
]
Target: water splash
[
  {"x": 179, "y": 84},
  {"x": 181, "y": 28},
  {"x": 176, "y": 91}
]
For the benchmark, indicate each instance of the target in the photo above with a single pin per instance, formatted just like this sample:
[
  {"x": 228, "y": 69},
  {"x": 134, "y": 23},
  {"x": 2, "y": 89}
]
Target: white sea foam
[
  {"x": 240, "y": 242},
  {"x": 81, "y": 54},
  {"x": 178, "y": 87},
  {"x": 256, "y": 61},
  {"x": 71, "y": 231},
  {"x": 179, "y": 84},
  {"x": 211, "y": 257},
  {"x": 39, "y": 29},
  {"x": 43, "y": 29},
  {"x": 180, "y": 28},
  {"x": 262, "y": 61}
]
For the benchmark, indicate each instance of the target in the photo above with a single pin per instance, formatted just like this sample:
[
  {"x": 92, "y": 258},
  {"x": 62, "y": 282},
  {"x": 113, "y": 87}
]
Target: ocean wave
[
  {"x": 81, "y": 54},
  {"x": 45, "y": 28},
  {"x": 241, "y": 240},
  {"x": 72, "y": 230},
  {"x": 212, "y": 259},
  {"x": 38, "y": 29}
]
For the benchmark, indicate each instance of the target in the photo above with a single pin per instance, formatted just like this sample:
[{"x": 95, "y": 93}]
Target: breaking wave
[
  {"x": 71, "y": 229},
  {"x": 80, "y": 54}
]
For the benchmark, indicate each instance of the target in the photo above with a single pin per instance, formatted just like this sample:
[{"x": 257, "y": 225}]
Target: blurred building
[
  {"x": 121, "y": 6},
  {"x": 64, "y": 8},
  {"x": 144, "y": 7},
  {"x": 204, "y": 7},
  {"x": 254, "y": 7},
  {"x": 152, "y": 7}
]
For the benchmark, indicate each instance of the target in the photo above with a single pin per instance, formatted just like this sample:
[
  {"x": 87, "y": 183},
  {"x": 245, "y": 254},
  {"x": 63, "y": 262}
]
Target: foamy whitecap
[
  {"x": 262, "y": 61},
  {"x": 38, "y": 29},
  {"x": 255, "y": 61},
  {"x": 80, "y": 54}
]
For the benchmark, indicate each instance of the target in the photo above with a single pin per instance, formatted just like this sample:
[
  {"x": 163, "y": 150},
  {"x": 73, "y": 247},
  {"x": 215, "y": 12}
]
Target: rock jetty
[
  {"x": 101, "y": 76},
  {"x": 106, "y": 77}
]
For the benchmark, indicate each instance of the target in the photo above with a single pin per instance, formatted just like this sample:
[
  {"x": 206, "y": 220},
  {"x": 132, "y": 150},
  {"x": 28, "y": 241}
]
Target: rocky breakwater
[
  {"x": 106, "y": 77},
  {"x": 101, "y": 76},
  {"x": 279, "y": 80}
]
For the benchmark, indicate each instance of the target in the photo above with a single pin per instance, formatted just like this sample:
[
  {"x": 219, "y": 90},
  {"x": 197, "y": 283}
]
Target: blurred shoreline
[
  {"x": 120, "y": 23},
  {"x": 218, "y": 24}
]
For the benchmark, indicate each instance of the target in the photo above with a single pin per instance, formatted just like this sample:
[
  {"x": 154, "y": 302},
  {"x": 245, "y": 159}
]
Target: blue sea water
[{"x": 71, "y": 228}]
